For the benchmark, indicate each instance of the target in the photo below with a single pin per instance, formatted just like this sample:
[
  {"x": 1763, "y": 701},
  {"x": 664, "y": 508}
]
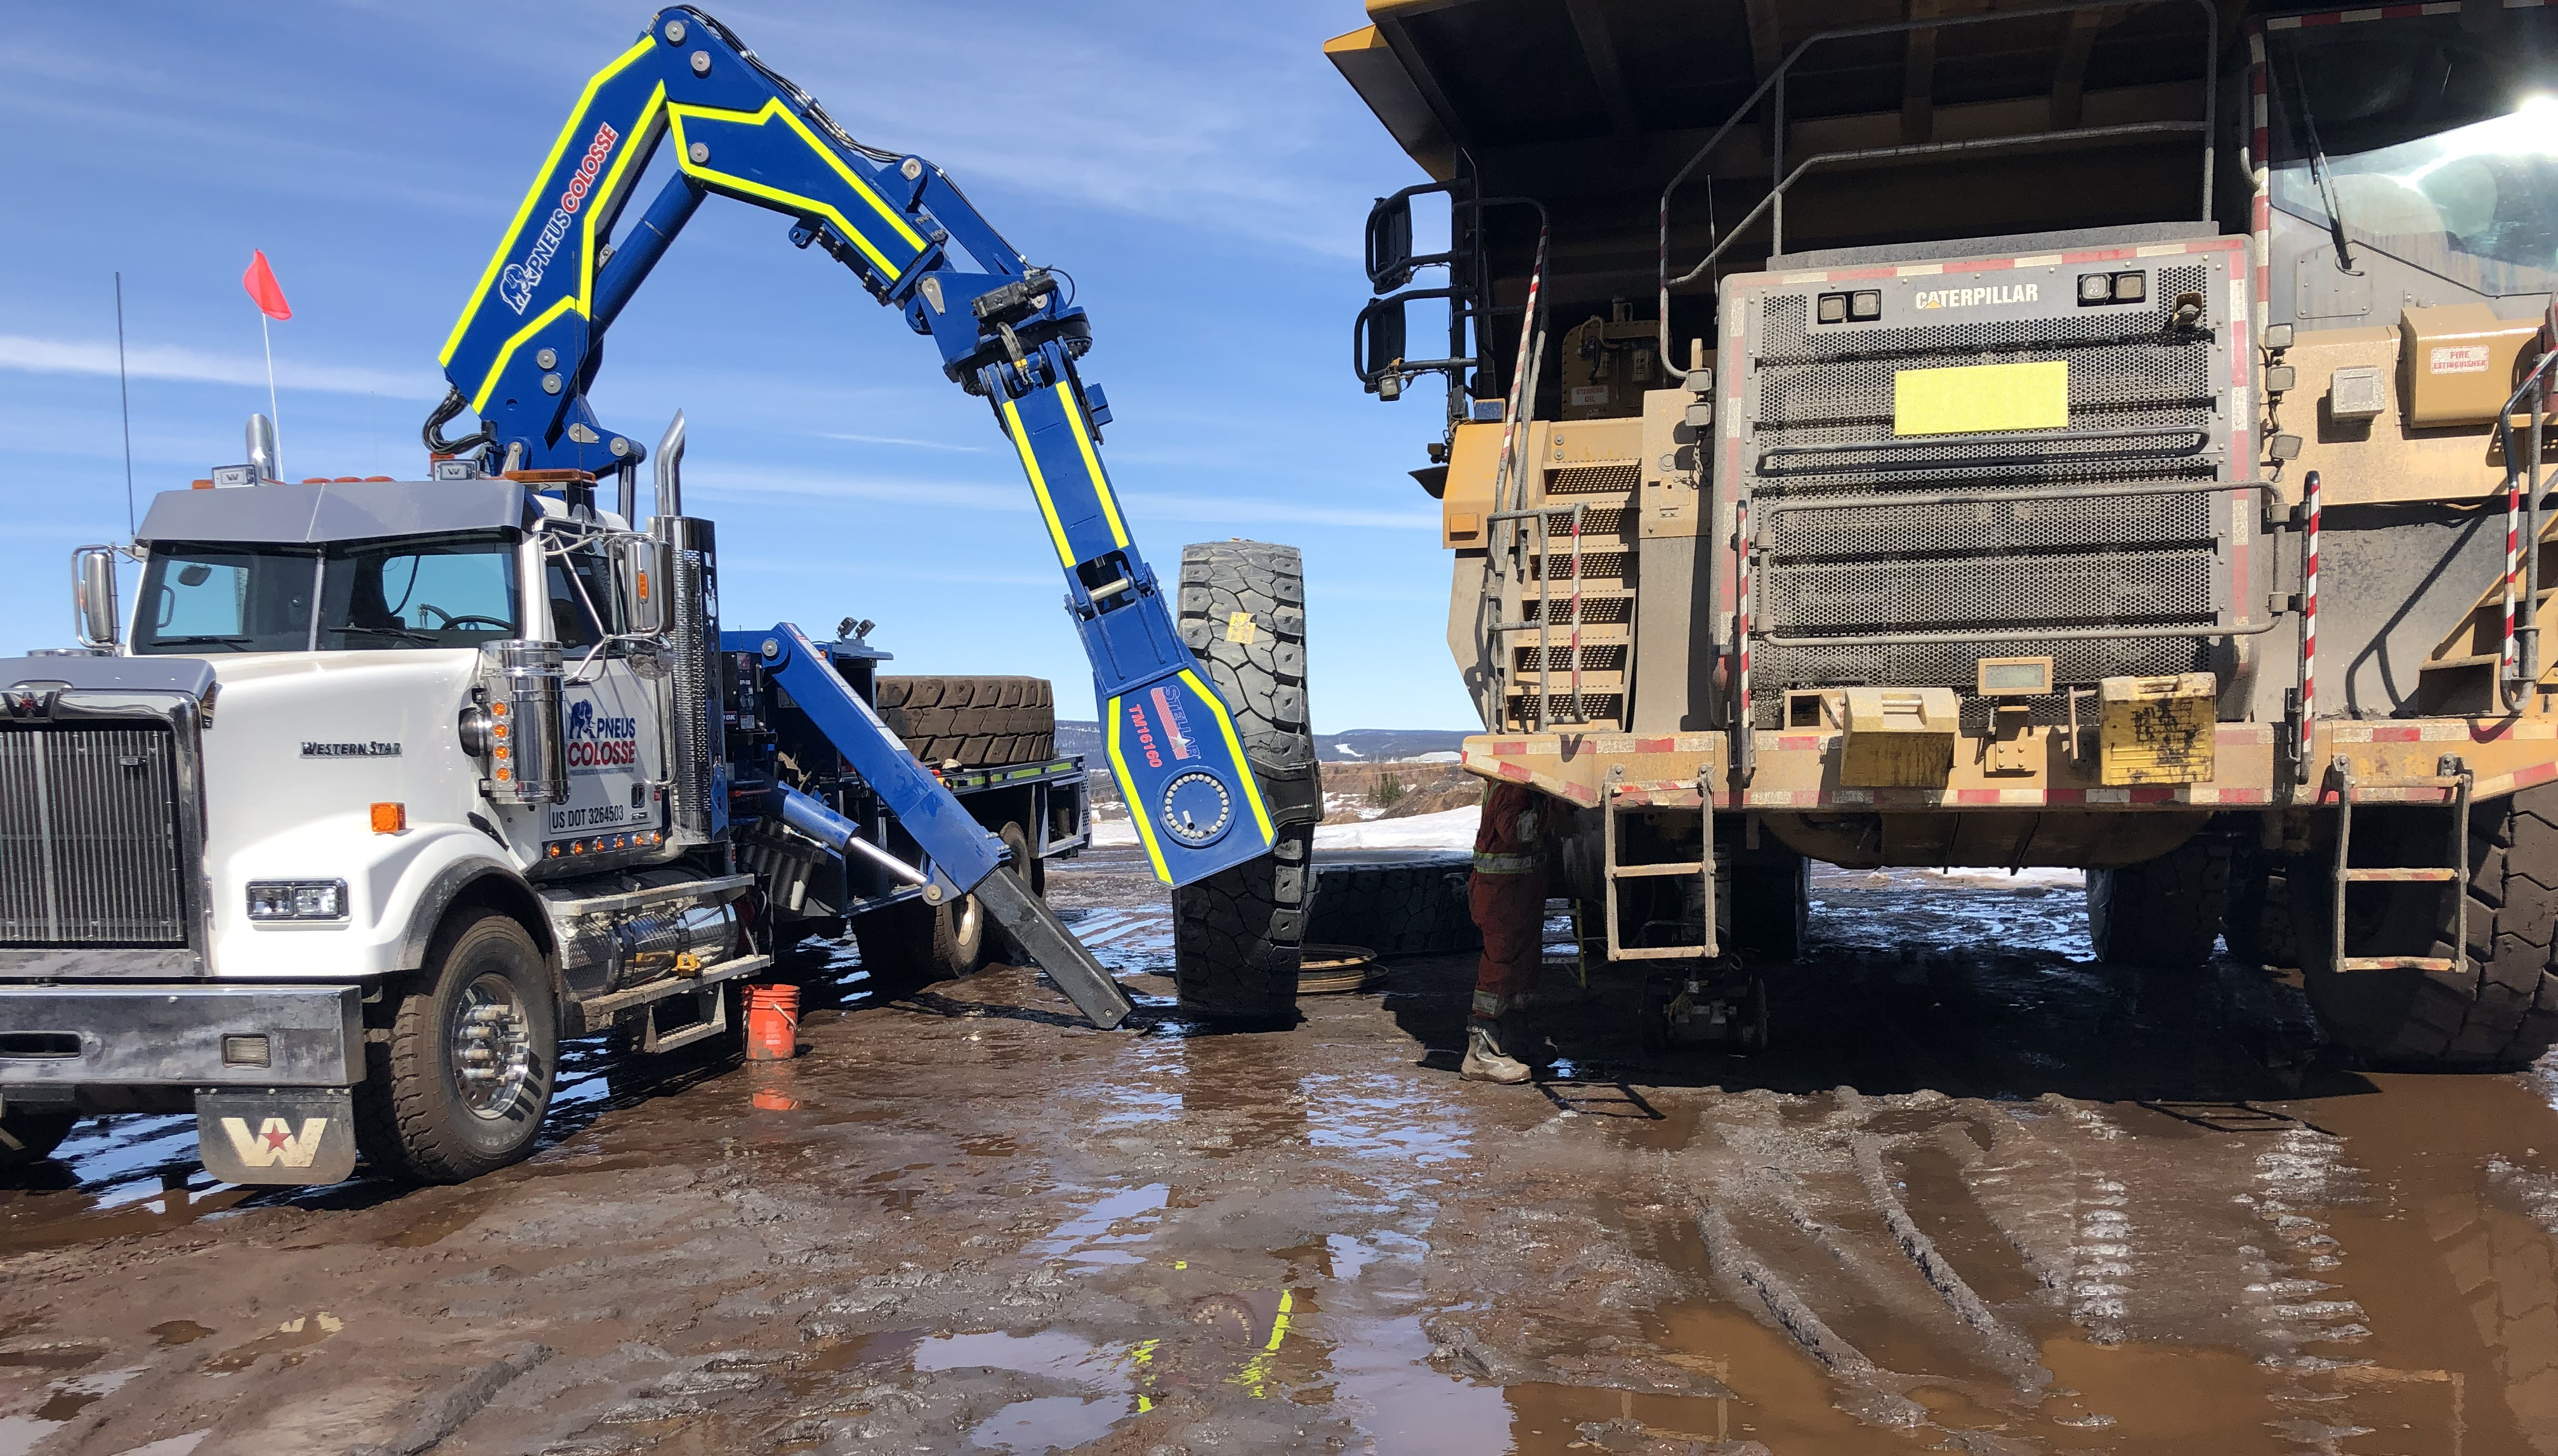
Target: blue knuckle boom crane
[{"x": 527, "y": 348}]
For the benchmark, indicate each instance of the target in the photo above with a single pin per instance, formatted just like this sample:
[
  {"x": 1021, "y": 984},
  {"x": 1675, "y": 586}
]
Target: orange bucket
[{"x": 771, "y": 1023}]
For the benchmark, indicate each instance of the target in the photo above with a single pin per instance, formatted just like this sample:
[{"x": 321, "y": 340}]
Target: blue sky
[{"x": 1201, "y": 170}]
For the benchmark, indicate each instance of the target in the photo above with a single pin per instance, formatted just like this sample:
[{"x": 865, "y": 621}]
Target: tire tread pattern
[
  {"x": 982, "y": 723},
  {"x": 1238, "y": 935},
  {"x": 1394, "y": 907}
]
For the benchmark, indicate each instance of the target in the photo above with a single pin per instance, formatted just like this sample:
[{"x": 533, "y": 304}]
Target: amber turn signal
[{"x": 391, "y": 818}]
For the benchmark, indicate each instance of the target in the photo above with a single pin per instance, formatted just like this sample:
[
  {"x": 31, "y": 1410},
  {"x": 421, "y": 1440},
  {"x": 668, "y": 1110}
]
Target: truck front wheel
[
  {"x": 460, "y": 1086},
  {"x": 30, "y": 1138}
]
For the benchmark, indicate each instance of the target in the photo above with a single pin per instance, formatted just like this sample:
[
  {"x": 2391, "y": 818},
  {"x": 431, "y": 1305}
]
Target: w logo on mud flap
[{"x": 275, "y": 1143}]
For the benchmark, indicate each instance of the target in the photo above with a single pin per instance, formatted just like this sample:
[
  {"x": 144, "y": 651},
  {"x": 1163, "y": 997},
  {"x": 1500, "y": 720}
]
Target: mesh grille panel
[
  {"x": 1595, "y": 520},
  {"x": 1988, "y": 526},
  {"x": 88, "y": 838},
  {"x": 1588, "y": 480},
  {"x": 1595, "y": 657},
  {"x": 1561, "y": 707},
  {"x": 1595, "y": 611},
  {"x": 1558, "y": 566},
  {"x": 2145, "y": 407},
  {"x": 1996, "y": 592}
]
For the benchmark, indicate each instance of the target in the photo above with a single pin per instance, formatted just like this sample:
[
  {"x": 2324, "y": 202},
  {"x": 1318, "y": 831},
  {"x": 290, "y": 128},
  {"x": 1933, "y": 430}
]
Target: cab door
[{"x": 612, "y": 718}]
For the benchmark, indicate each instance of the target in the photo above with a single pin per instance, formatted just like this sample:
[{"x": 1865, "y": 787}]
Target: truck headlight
[{"x": 297, "y": 900}]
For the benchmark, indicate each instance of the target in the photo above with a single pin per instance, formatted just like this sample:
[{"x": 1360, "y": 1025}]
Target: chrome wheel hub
[{"x": 492, "y": 1046}]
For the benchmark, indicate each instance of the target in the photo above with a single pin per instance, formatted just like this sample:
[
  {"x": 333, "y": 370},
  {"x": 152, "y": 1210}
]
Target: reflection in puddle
[{"x": 1093, "y": 1236}]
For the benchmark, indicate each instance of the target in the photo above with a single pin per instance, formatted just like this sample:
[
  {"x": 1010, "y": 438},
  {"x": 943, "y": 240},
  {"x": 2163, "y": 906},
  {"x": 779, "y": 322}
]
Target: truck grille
[
  {"x": 89, "y": 851},
  {"x": 1870, "y": 537}
]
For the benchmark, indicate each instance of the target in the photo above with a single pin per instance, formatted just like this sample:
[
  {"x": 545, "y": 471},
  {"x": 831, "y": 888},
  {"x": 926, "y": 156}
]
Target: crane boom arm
[{"x": 527, "y": 345}]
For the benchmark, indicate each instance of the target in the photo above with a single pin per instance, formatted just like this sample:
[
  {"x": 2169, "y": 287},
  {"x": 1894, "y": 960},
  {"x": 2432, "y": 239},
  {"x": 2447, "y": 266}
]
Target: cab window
[
  {"x": 451, "y": 593},
  {"x": 574, "y": 620}
]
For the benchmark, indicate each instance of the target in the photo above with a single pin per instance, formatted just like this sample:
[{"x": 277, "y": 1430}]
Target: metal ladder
[
  {"x": 2451, "y": 773},
  {"x": 1611, "y": 807}
]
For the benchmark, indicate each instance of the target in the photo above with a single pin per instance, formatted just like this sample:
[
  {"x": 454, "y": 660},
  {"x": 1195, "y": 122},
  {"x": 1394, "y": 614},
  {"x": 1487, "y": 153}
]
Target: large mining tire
[
  {"x": 1238, "y": 935},
  {"x": 30, "y": 1137},
  {"x": 981, "y": 722},
  {"x": 1395, "y": 902},
  {"x": 1771, "y": 905},
  {"x": 2501, "y": 1008},
  {"x": 2162, "y": 914},
  {"x": 459, "y": 1085},
  {"x": 2258, "y": 927}
]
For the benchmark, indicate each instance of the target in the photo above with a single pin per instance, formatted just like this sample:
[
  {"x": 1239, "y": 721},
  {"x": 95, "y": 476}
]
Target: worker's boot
[{"x": 1488, "y": 1035}]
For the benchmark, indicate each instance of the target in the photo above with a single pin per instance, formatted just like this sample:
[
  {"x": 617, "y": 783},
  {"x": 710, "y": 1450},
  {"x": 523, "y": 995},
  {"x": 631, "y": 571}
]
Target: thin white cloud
[
  {"x": 898, "y": 440},
  {"x": 198, "y": 366}
]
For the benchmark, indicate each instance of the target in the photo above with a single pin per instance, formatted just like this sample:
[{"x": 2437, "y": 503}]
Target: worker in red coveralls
[{"x": 1507, "y": 898}]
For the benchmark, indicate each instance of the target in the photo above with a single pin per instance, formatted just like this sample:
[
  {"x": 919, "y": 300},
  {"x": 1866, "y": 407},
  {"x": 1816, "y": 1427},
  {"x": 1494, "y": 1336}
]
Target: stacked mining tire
[
  {"x": 1238, "y": 935},
  {"x": 2162, "y": 914},
  {"x": 976, "y": 722},
  {"x": 2500, "y": 1008},
  {"x": 1394, "y": 902}
]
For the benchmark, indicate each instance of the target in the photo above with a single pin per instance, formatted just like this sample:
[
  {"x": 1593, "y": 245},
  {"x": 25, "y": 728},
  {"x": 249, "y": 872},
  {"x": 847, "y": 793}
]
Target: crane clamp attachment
[{"x": 526, "y": 349}]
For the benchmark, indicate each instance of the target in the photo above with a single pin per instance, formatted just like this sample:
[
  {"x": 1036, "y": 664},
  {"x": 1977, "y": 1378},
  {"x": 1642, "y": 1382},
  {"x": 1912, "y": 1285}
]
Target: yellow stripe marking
[
  {"x": 1039, "y": 482},
  {"x": 1234, "y": 752},
  {"x": 1091, "y": 464},
  {"x": 599, "y": 204},
  {"x": 1137, "y": 809},
  {"x": 533, "y": 195},
  {"x": 496, "y": 371},
  {"x": 772, "y": 109}
]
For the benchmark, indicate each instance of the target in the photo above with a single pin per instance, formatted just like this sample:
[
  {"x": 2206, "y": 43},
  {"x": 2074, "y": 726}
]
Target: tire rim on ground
[
  {"x": 1330, "y": 970},
  {"x": 492, "y": 1046}
]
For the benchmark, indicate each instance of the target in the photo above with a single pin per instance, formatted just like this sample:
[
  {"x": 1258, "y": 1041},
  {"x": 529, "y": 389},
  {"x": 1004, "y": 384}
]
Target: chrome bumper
[{"x": 181, "y": 1036}]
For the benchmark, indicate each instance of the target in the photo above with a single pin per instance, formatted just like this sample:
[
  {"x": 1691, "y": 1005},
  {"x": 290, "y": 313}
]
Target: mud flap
[
  {"x": 292, "y": 1135},
  {"x": 1055, "y": 947}
]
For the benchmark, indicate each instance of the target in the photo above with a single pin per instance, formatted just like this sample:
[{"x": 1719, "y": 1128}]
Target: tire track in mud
[{"x": 1822, "y": 1223}]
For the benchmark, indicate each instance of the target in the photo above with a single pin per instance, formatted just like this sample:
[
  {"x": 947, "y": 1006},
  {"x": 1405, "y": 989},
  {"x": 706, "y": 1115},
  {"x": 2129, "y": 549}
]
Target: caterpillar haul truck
[
  {"x": 383, "y": 787},
  {"x": 2094, "y": 435}
]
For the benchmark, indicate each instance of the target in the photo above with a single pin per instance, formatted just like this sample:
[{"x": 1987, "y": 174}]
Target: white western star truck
[{"x": 386, "y": 786}]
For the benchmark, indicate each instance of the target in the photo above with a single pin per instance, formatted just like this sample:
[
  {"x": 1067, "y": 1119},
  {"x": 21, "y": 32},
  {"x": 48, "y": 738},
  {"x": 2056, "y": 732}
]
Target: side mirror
[
  {"x": 643, "y": 573},
  {"x": 1378, "y": 346},
  {"x": 93, "y": 595},
  {"x": 1389, "y": 243}
]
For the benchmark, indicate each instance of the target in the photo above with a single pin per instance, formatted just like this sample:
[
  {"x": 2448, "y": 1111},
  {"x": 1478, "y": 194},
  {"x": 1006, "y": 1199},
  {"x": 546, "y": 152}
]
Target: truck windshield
[
  {"x": 2440, "y": 143},
  {"x": 439, "y": 592}
]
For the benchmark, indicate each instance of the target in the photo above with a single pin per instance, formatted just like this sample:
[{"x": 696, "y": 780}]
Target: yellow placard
[{"x": 1981, "y": 397}]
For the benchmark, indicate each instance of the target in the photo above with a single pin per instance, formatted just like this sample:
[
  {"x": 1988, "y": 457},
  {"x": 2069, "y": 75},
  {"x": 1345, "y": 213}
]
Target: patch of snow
[
  {"x": 1450, "y": 829},
  {"x": 1116, "y": 830}
]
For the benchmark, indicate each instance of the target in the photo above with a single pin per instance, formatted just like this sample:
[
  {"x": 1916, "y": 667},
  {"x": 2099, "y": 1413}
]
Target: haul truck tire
[
  {"x": 2501, "y": 1008},
  {"x": 30, "y": 1137},
  {"x": 2162, "y": 914},
  {"x": 1238, "y": 935},
  {"x": 1408, "y": 902},
  {"x": 1771, "y": 905},
  {"x": 460, "y": 1087},
  {"x": 981, "y": 722}
]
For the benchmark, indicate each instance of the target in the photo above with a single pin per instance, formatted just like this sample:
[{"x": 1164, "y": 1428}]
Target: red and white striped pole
[
  {"x": 2509, "y": 660},
  {"x": 2309, "y": 624}
]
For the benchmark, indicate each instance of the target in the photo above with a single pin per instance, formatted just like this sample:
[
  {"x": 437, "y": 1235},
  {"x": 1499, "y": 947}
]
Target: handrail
[
  {"x": 1777, "y": 140},
  {"x": 2518, "y": 664},
  {"x": 1975, "y": 144}
]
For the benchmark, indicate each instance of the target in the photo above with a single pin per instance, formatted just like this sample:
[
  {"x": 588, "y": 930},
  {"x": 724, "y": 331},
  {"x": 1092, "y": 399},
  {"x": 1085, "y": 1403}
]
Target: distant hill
[{"x": 1358, "y": 746}]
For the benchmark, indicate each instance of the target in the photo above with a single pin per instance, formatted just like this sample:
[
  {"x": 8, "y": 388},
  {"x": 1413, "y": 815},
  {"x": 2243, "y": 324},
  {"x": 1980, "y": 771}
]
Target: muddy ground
[{"x": 1984, "y": 1196}]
